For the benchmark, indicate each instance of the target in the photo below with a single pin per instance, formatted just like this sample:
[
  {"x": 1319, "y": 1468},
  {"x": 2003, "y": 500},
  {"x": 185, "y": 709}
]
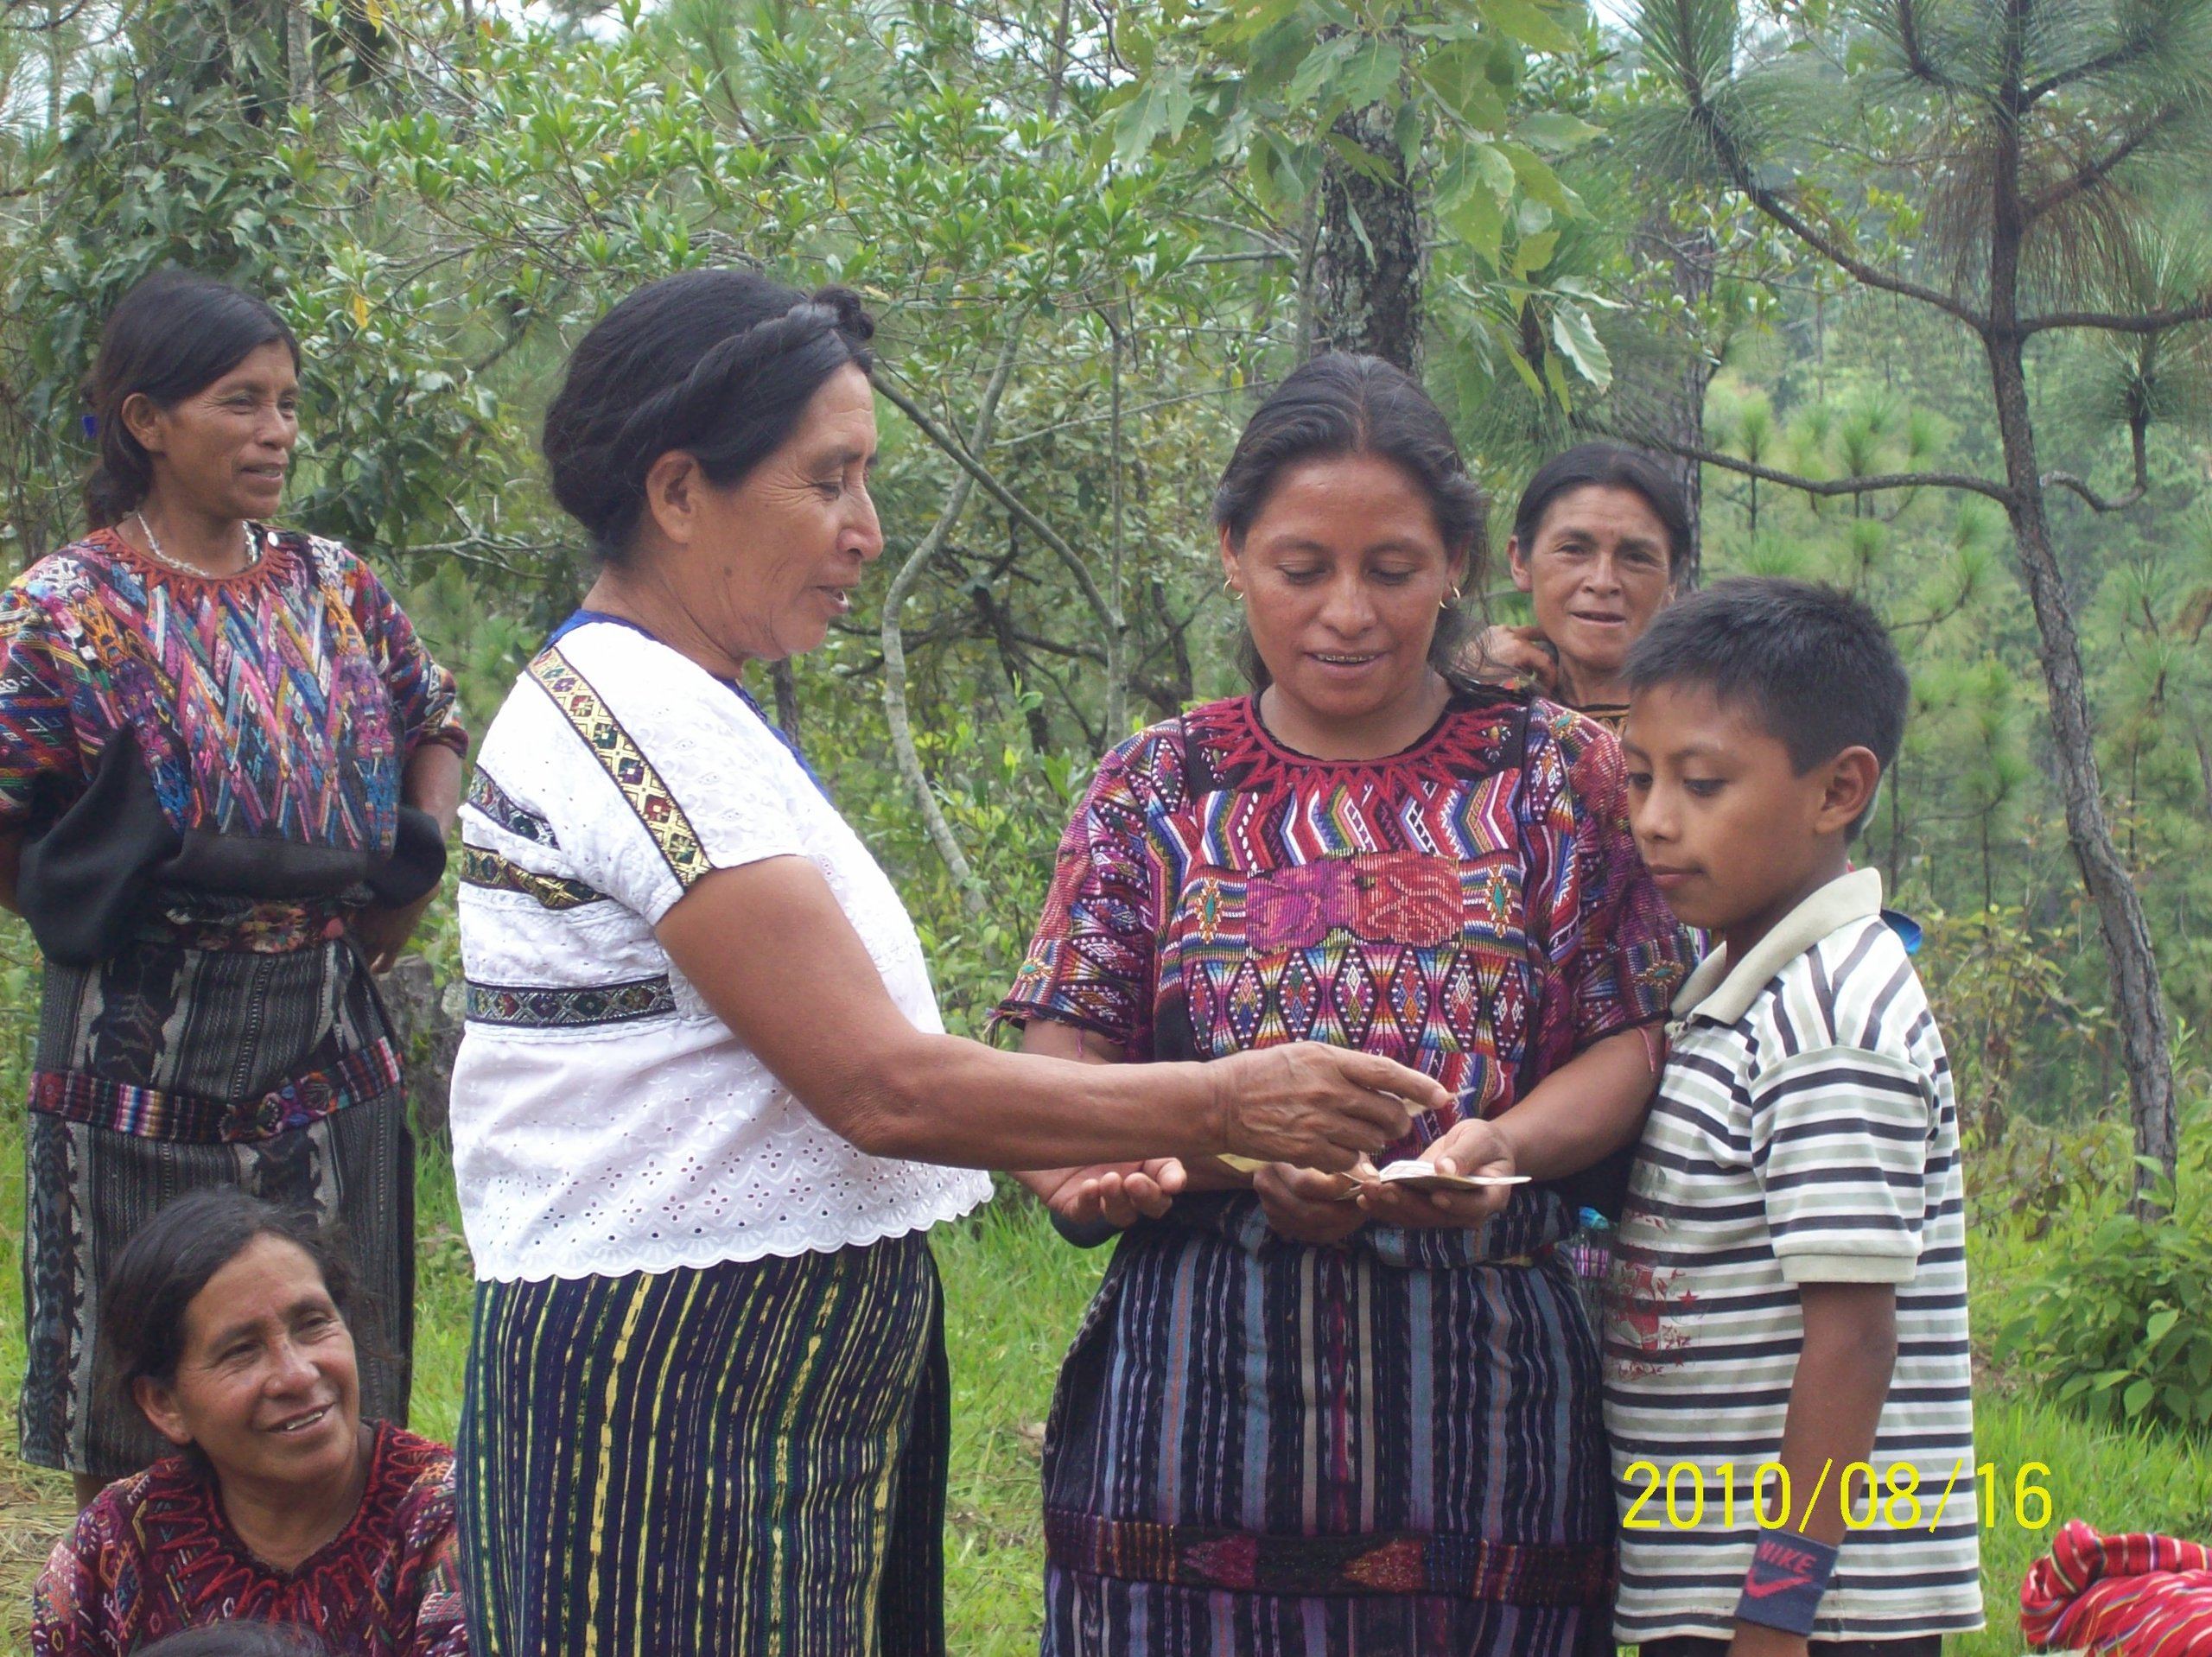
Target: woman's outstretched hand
[
  {"x": 1119, "y": 1193},
  {"x": 1315, "y": 1106},
  {"x": 1469, "y": 1147},
  {"x": 1306, "y": 1207}
]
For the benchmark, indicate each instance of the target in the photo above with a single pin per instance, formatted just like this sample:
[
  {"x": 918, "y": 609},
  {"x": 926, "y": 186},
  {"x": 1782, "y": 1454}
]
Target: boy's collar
[{"x": 1723, "y": 992}]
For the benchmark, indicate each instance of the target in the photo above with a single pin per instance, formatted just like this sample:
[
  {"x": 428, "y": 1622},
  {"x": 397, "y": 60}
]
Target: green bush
[{"x": 2116, "y": 1329}]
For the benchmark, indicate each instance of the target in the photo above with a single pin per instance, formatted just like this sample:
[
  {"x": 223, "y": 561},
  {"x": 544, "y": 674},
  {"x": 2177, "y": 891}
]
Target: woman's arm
[
  {"x": 431, "y": 782},
  {"x": 1586, "y": 1109},
  {"x": 768, "y": 946},
  {"x": 1118, "y": 1193},
  {"x": 1575, "y": 1117}
]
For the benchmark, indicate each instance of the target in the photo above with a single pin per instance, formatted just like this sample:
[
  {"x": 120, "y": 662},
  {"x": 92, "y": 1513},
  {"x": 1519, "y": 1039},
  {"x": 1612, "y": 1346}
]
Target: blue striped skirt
[
  {"x": 1374, "y": 1450},
  {"x": 739, "y": 1460}
]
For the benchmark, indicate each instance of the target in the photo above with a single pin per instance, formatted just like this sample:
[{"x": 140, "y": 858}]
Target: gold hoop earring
[{"x": 1229, "y": 590}]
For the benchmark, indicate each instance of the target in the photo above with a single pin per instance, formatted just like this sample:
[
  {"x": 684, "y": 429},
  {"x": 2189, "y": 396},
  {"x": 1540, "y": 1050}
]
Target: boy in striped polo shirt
[{"x": 1787, "y": 1382}]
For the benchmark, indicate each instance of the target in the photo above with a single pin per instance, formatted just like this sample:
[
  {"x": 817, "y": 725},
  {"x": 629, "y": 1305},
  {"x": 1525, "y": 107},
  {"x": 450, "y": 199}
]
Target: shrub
[{"x": 2116, "y": 1327}]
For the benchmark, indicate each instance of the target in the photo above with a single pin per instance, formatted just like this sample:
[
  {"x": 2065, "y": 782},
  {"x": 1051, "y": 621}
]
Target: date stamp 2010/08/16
[{"x": 1895, "y": 1497}]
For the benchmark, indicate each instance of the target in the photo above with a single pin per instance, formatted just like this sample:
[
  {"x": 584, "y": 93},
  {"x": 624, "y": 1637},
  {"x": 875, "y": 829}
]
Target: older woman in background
[
  {"x": 226, "y": 768},
  {"x": 1600, "y": 539},
  {"x": 233, "y": 1331},
  {"x": 1295, "y": 1425},
  {"x": 704, "y": 1103}
]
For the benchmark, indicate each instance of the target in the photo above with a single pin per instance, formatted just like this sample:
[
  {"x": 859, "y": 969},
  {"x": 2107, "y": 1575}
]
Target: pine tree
[{"x": 2009, "y": 164}]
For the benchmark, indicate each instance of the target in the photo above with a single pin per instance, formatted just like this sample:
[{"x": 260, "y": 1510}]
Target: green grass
[{"x": 1014, "y": 1293}]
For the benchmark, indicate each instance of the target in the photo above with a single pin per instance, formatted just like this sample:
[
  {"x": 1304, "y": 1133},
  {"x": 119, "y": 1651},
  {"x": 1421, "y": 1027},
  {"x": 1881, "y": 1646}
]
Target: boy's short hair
[{"x": 1815, "y": 667}]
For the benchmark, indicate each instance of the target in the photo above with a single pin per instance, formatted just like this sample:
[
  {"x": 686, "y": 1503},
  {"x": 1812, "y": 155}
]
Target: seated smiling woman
[
  {"x": 704, "y": 1108},
  {"x": 230, "y": 1328}
]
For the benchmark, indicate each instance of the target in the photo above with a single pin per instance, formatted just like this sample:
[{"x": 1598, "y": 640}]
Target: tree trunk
[
  {"x": 2138, "y": 1004},
  {"x": 299, "y": 54},
  {"x": 1367, "y": 258},
  {"x": 1670, "y": 398}
]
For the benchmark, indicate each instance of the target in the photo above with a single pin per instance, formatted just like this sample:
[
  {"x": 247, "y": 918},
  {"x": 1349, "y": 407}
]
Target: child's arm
[
  {"x": 1575, "y": 1117},
  {"x": 1835, "y": 1406}
]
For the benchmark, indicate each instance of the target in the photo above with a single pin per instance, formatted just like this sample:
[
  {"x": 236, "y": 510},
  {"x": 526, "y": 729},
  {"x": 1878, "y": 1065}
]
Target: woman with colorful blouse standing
[
  {"x": 226, "y": 768},
  {"x": 1306, "y": 1414},
  {"x": 705, "y": 1113},
  {"x": 235, "y": 1329}
]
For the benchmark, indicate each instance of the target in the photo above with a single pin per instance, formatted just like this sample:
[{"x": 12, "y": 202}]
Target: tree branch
[
  {"x": 894, "y": 644},
  {"x": 2141, "y": 46},
  {"x": 1876, "y": 484},
  {"x": 2090, "y": 173},
  {"x": 1005, "y": 497},
  {"x": 2176, "y": 316},
  {"x": 2097, "y": 502},
  {"x": 2137, "y": 433},
  {"x": 1915, "y": 55},
  {"x": 1739, "y": 169}
]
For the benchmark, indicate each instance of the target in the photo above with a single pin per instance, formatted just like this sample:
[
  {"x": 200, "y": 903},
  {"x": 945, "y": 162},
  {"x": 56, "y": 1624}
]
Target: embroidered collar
[{"x": 1723, "y": 992}]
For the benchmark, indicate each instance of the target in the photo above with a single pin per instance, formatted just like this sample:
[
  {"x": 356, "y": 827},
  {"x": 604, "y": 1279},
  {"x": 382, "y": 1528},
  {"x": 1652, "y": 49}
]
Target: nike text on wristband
[{"x": 1782, "y": 1588}]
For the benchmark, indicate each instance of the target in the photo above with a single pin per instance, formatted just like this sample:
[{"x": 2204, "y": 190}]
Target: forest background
[{"x": 1769, "y": 240}]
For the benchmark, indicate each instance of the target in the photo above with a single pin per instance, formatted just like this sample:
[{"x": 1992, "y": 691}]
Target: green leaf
[
  {"x": 1496, "y": 169},
  {"x": 2137, "y": 1397},
  {"x": 1477, "y": 220},
  {"x": 1578, "y": 341},
  {"x": 1555, "y": 128},
  {"x": 1535, "y": 252},
  {"x": 1457, "y": 77},
  {"x": 1531, "y": 23},
  {"x": 1537, "y": 178},
  {"x": 1555, "y": 377},
  {"x": 1139, "y": 125},
  {"x": 1372, "y": 74},
  {"x": 1528, "y": 374},
  {"x": 1320, "y": 68},
  {"x": 2160, "y": 1325}
]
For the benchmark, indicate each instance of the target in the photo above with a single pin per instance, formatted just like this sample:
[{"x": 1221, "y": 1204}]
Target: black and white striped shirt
[{"x": 1805, "y": 1132}]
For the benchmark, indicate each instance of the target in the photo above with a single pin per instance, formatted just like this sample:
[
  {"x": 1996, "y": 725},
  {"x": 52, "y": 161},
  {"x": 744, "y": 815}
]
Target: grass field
[{"x": 1014, "y": 1293}]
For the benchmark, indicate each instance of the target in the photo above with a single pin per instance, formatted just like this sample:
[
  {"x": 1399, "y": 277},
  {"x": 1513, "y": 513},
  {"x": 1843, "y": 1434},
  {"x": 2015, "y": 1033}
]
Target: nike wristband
[{"x": 1782, "y": 1588}]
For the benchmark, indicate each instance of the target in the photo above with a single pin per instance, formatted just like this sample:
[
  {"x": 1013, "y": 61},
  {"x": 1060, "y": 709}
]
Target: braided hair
[{"x": 720, "y": 363}]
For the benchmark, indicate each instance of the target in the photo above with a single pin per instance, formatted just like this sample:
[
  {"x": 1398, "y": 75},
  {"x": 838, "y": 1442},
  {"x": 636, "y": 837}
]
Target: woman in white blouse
[{"x": 705, "y": 1111}]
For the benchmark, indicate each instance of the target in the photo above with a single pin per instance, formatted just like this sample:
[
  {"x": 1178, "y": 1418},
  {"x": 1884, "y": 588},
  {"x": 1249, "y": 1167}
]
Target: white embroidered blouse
[{"x": 604, "y": 1119}]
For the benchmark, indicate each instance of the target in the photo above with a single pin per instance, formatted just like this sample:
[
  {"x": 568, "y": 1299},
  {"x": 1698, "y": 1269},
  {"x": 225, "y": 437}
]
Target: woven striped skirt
[
  {"x": 735, "y": 1461},
  {"x": 89, "y": 1189},
  {"x": 174, "y": 1066},
  {"x": 1270, "y": 1450}
]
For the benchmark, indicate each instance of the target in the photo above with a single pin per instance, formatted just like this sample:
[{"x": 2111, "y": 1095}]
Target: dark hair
[
  {"x": 173, "y": 334},
  {"x": 237, "y": 1639},
  {"x": 1605, "y": 466},
  {"x": 1815, "y": 666},
  {"x": 718, "y": 363},
  {"x": 1344, "y": 403},
  {"x": 169, "y": 1261}
]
